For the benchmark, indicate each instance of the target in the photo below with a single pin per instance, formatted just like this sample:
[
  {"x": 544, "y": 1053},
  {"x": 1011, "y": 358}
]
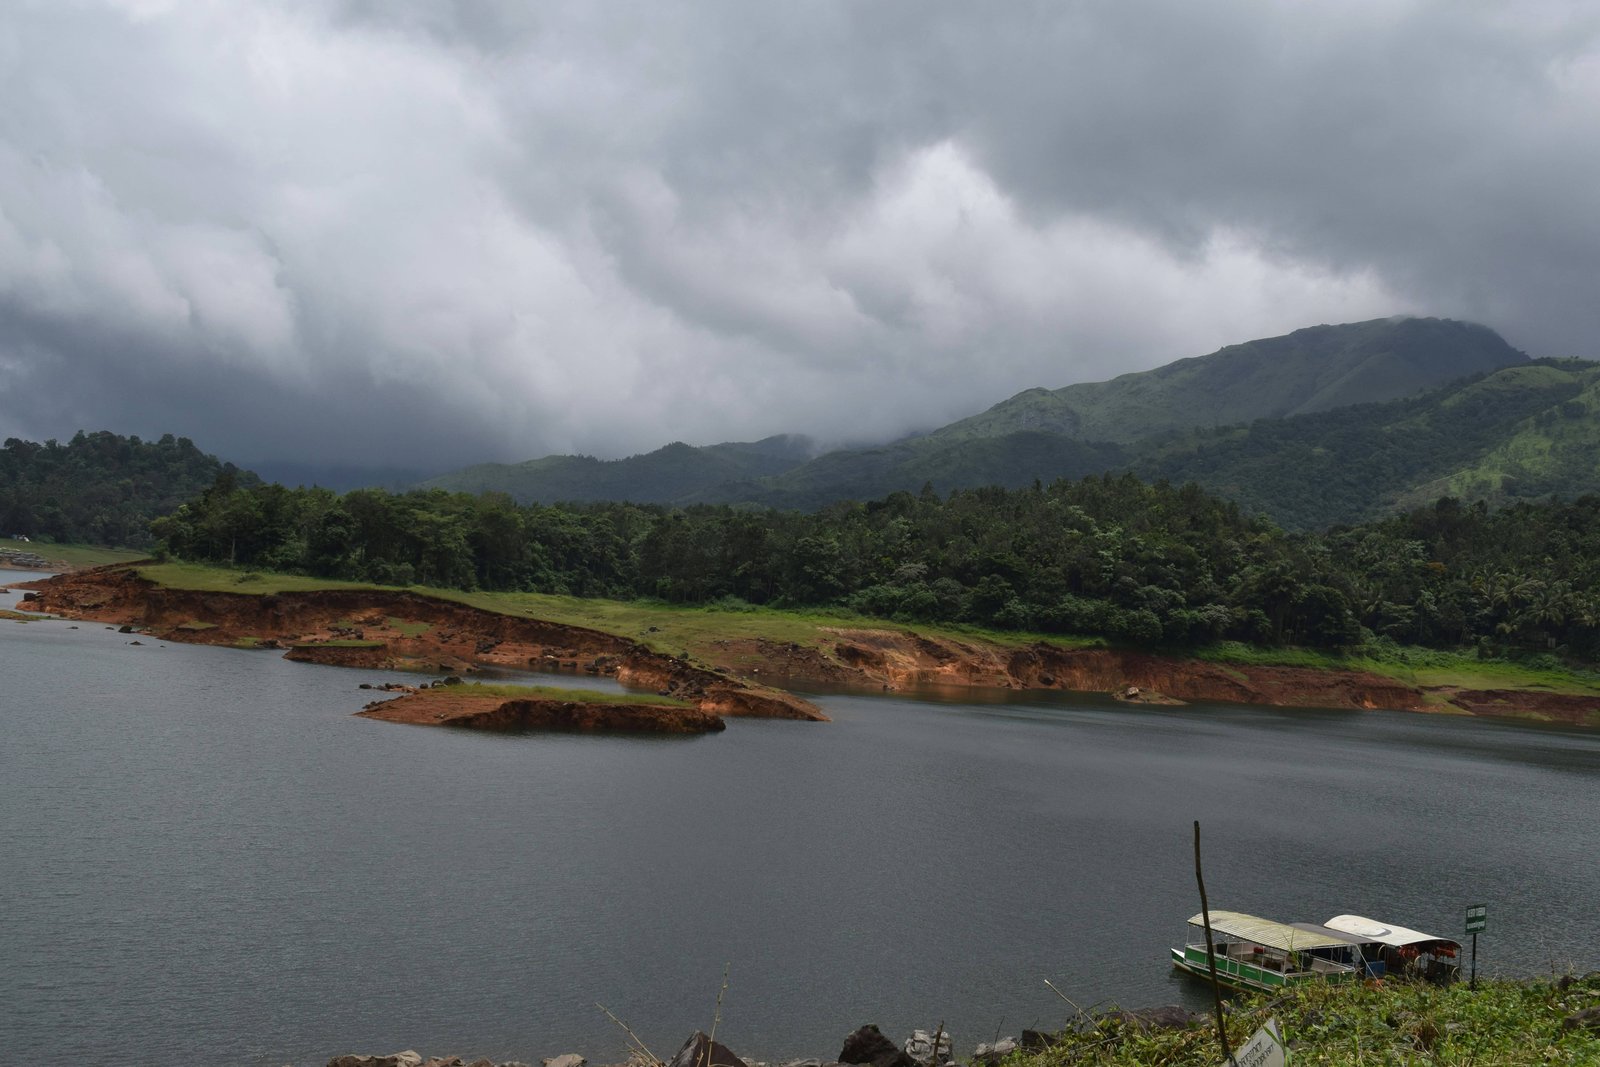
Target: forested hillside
[
  {"x": 1524, "y": 432},
  {"x": 101, "y": 488},
  {"x": 1115, "y": 557},
  {"x": 1301, "y": 427},
  {"x": 1309, "y": 370},
  {"x": 672, "y": 473}
]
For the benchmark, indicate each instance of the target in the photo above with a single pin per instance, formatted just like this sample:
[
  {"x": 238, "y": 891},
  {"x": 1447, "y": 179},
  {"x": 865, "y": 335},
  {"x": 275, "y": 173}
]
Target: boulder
[
  {"x": 868, "y": 1045},
  {"x": 701, "y": 1051},
  {"x": 920, "y": 1047},
  {"x": 1587, "y": 1019},
  {"x": 1038, "y": 1040},
  {"x": 991, "y": 1054},
  {"x": 408, "y": 1058},
  {"x": 571, "y": 1059},
  {"x": 1166, "y": 1017}
]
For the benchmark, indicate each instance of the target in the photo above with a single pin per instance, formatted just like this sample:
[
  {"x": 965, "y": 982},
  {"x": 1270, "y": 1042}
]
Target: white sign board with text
[{"x": 1264, "y": 1049}]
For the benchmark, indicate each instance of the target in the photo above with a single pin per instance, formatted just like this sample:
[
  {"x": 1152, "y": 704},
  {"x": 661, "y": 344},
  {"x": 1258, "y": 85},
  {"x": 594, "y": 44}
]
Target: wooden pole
[{"x": 1211, "y": 951}]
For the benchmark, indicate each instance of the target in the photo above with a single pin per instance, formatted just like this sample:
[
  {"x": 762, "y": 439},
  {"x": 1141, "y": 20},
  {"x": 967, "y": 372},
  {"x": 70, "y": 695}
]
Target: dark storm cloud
[{"x": 429, "y": 233}]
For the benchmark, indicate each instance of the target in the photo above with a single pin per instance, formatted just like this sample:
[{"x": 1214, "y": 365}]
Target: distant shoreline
[{"x": 730, "y": 656}]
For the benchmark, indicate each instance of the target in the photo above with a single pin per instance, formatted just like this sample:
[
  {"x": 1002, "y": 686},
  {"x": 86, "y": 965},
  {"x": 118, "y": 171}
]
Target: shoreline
[
  {"x": 733, "y": 674},
  {"x": 1510, "y": 1021}
]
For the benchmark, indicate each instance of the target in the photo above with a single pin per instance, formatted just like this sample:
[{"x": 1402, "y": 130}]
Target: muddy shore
[{"x": 736, "y": 676}]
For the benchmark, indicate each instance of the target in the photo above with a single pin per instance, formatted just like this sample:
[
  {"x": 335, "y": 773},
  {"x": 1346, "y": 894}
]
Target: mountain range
[{"x": 1324, "y": 425}]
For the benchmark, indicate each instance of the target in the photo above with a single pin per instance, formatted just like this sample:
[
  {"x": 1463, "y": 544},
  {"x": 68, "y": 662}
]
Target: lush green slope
[
  {"x": 1305, "y": 428},
  {"x": 1556, "y": 450},
  {"x": 667, "y": 474},
  {"x": 1313, "y": 369},
  {"x": 101, "y": 488},
  {"x": 1013, "y": 461},
  {"x": 1522, "y": 432},
  {"x": 1033, "y": 434},
  {"x": 1519, "y": 433}
]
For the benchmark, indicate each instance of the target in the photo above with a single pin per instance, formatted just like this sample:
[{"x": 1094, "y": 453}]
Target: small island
[{"x": 513, "y": 708}]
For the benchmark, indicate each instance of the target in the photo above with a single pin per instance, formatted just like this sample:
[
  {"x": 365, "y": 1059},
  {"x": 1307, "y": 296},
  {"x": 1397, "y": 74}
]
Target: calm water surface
[{"x": 208, "y": 860}]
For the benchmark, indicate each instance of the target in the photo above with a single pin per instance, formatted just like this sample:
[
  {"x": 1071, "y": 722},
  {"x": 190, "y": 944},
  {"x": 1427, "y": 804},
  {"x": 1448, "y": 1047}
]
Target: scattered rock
[
  {"x": 1038, "y": 1040},
  {"x": 920, "y": 1047},
  {"x": 408, "y": 1058},
  {"x": 1587, "y": 1019},
  {"x": 701, "y": 1051},
  {"x": 571, "y": 1059},
  {"x": 1166, "y": 1017},
  {"x": 991, "y": 1054},
  {"x": 124, "y": 629},
  {"x": 141, "y": 643},
  {"x": 868, "y": 1045}
]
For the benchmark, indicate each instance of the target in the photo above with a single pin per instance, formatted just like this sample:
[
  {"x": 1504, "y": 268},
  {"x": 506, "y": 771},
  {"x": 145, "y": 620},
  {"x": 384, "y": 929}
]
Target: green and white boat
[{"x": 1258, "y": 954}]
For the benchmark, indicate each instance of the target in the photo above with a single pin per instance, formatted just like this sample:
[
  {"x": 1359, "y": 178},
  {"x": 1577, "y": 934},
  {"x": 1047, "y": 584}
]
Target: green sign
[{"x": 1477, "y": 918}]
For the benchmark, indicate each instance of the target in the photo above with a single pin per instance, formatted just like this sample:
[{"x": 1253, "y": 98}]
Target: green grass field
[
  {"x": 71, "y": 557},
  {"x": 548, "y": 692},
  {"x": 701, "y": 631}
]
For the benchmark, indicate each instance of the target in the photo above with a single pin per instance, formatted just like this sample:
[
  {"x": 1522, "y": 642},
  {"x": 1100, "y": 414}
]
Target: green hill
[
  {"x": 1309, "y": 370},
  {"x": 101, "y": 488},
  {"x": 658, "y": 477},
  {"x": 1013, "y": 461},
  {"x": 1326, "y": 424},
  {"x": 1518, "y": 433},
  {"x": 1555, "y": 451}
]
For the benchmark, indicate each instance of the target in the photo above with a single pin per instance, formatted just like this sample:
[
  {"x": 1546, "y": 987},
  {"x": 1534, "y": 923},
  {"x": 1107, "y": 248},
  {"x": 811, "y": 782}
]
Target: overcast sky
[{"x": 430, "y": 233}]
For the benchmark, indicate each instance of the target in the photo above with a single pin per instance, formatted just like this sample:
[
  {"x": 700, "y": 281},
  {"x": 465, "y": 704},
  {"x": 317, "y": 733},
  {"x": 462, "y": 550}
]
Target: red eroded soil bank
[
  {"x": 402, "y": 629},
  {"x": 377, "y": 629}
]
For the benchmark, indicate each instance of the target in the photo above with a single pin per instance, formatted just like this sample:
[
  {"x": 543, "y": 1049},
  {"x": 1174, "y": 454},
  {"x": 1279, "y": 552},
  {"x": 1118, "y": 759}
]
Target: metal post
[
  {"x": 1211, "y": 951},
  {"x": 1474, "y": 983}
]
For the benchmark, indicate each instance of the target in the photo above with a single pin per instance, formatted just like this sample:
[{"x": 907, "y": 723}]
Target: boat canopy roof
[
  {"x": 1373, "y": 931},
  {"x": 1267, "y": 933},
  {"x": 1324, "y": 931}
]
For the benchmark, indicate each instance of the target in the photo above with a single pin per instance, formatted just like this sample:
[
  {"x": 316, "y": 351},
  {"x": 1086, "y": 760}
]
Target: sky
[{"x": 421, "y": 233}]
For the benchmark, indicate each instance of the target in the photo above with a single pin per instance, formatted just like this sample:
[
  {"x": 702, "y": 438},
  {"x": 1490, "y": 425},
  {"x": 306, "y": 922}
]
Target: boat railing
[{"x": 1233, "y": 957}]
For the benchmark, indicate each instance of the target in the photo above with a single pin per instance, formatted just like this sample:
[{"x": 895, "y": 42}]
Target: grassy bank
[
  {"x": 1500, "y": 1024},
  {"x": 72, "y": 557},
  {"x": 704, "y": 632},
  {"x": 1415, "y": 666},
  {"x": 550, "y": 692}
]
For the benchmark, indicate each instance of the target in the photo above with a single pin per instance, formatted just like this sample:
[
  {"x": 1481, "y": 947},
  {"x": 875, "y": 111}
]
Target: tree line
[
  {"x": 1147, "y": 564},
  {"x": 101, "y": 488}
]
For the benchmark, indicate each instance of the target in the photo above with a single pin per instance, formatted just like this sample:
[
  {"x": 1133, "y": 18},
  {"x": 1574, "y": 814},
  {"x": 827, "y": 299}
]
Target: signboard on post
[
  {"x": 1477, "y": 918},
  {"x": 1264, "y": 1049}
]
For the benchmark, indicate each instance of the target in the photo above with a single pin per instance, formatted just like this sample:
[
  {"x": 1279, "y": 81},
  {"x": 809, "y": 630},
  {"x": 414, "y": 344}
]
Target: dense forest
[
  {"x": 1112, "y": 556},
  {"x": 101, "y": 488}
]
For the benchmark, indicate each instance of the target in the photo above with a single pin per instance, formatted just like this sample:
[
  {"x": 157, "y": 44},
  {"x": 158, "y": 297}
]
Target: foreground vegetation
[{"x": 1500, "y": 1024}]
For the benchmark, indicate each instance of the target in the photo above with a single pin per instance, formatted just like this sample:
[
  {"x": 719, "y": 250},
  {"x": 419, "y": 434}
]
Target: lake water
[{"x": 208, "y": 860}]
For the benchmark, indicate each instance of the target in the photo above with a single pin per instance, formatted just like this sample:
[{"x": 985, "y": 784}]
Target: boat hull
[{"x": 1247, "y": 977}]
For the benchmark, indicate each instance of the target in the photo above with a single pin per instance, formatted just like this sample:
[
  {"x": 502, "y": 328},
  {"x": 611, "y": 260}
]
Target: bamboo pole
[{"x": 1211, "y": 951}]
